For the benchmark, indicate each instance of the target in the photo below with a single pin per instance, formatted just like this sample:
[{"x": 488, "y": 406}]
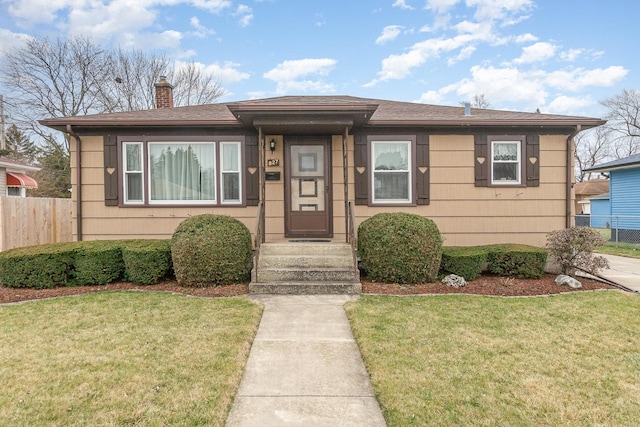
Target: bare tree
[
  {"x": 479, "y": 101},
  {"x": 193, "y": 86},
  {"x": 591, "y": 148},
  {"x": 624, "y": 123},
  {"x": 69, "y": 77},
  {"x": 52, "y": 78}
]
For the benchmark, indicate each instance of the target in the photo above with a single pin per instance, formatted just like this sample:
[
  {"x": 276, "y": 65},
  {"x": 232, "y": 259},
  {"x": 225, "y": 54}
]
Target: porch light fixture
[{"x": 272, "y": 145}]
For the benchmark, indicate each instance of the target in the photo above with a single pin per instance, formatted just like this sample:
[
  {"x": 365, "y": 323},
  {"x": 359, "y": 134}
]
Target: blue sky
[{"x": 561, "y": 56}]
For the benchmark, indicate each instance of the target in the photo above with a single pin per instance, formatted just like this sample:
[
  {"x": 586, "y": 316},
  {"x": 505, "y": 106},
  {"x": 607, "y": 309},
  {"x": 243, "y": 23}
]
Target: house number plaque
[{"x": 273, "y": 162}]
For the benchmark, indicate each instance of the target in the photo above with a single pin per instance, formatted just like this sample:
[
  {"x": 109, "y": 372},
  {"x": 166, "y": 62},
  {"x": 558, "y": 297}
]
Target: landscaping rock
[
  {"x": 454, "y": 280},
  {"x": 563, "y": 279}
]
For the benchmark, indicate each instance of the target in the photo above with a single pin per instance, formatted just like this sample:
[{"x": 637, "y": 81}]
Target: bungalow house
[
  {"x": 307, "y": 167},
  {"x": 585, "y": 190},
  {"x": 14, "y": 179},
  {"x": 624, "y": 197}
]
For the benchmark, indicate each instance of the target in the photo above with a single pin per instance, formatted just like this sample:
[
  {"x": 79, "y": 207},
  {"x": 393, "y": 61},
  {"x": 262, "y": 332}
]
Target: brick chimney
[{"x": 164, "y": 93}]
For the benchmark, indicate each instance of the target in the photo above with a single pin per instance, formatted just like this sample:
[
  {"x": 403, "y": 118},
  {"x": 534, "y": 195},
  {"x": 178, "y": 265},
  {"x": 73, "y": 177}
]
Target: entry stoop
[{"x": 305, "y": 268}]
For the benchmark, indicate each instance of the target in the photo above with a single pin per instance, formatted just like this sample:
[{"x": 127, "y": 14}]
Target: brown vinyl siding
[
  {"x": 111, "y": 222},
  {"x": 465, "y": 214}
]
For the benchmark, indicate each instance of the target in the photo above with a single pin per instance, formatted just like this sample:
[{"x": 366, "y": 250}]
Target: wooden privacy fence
[{"x": 30, "y": 221}]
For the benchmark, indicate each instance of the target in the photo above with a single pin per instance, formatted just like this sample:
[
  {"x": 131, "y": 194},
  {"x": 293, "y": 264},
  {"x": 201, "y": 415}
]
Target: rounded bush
[
  {"x": 399, "y": 248},
  {"x": 211, "y": 250}
]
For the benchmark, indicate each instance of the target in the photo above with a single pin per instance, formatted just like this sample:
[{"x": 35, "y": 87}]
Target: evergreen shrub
[
  {"x": 146, "y": 261},
  {"x": 465, "y": 261},
  {"x": 399, "y": 248},
  {"x": 211, "y": 250}
]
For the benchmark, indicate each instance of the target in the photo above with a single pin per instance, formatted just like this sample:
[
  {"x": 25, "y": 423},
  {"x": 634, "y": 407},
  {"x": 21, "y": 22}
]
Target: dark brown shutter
[
  {"x": 481, "y": 160},
  {"x": 252, "y": 177},
  {"x": 361, "y": 169},
  {"x": 533, "y": 160},
  {"x": 422, "y": 169},
  {"x": 111, "y": 170}
]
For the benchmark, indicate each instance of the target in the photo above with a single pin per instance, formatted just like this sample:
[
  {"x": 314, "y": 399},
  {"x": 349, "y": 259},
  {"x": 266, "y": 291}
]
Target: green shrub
[
  {"x": 39, "y": 267},
  {"x": 520, "y": 261},
  {"x": 467, "y": 262},
  {"x": 211, "y": 250},
  {"x": 146, "y": 261},
  {"x": 97, "y": 262},
  {"x": 399, "y": 248}
]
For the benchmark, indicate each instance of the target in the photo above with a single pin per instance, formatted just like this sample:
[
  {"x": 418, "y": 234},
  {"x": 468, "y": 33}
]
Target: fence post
[{"x": 616, "y": 231}]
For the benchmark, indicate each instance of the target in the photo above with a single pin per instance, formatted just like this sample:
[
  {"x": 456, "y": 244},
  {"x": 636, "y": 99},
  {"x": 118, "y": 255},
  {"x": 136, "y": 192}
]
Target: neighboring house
[
  {"x": 483, "y": 176},
  {"x": 585, "y": 190},
  {"x": 14, "y": 179},
  {"x": 600, "y": 211},
  {"x": 624, "y": 203}
]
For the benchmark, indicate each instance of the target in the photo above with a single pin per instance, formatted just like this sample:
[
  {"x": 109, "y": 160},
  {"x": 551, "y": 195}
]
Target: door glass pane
[{"x": 307, "y": 178}]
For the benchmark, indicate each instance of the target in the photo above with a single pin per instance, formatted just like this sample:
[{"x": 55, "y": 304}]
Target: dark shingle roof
[
  {"x": 385, "y": 113},
  {"x": 631, "y": 161}
]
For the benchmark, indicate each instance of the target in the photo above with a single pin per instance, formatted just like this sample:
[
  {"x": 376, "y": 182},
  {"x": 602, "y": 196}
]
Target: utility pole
[{"x": 3, "y": 136}]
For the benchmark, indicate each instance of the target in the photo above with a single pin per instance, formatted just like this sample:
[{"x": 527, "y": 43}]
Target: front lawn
[
  {"x": 467, "y": 360},
  {"x": 124, "y": 358}
]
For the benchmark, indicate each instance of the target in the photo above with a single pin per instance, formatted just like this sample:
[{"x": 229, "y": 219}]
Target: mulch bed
[{"x": 484, "y": 285}]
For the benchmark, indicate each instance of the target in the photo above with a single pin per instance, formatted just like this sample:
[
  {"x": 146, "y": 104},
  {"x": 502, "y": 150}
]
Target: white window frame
[
  {"x": 147, "y": 168},
  {"x": 146, "y": 171},
  {"x": 518, "y": 161},
  {"x": 221, "y": 175},
  {"x": 126, "y": 173},
  {"x": 408, "y": 171}
]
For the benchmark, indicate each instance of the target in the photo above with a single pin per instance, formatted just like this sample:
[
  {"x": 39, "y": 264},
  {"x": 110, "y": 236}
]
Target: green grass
[
  {"x": 123, "y": 359},
  {"x": 621, "y": 248},
  {"x": 464, "y": 360}
]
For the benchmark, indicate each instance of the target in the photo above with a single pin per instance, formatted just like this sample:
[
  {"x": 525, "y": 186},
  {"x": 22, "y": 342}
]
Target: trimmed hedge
[
  {"x": 521, "y": 261},
  {"x": 39, "y": 267},
  {"x": 467, "y": 262},
  {"x": 97, "y": 262},
  {"x": 211, "y": 250},
  {"x": 85, "y": 263},
  {"x": 147, "y": 261},
  {"x": 399, "y": 248}
]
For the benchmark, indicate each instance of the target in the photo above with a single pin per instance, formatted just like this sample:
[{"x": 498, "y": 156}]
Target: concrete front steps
[{"x": 305, "y": 268}]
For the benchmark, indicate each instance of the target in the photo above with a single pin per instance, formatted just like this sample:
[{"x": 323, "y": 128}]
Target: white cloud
[
  {"x": 245, "y": 14},
  {"x": 571, "y": 55},
  {"x": 402, "y": 4},
  {"x": 537, "y": 52},
  {"x": 389, "y": 33},
  {"x": 431, "y": 97},
  {"x": 440, "y": 6},
  {"x": 465, "y": 53},
  {"x": 11, "y": 40},
  {"x": 509, "y": 11},
  {"x": 580, "y": 78},
  {"x": 200, "y": 30},
  {"x": 227, "y": 72},
  {"x": 527, "y": 89},
  {"x": 567, "y": 105},
  {"x": 525, "y": 38},
  {"x": 399, "y": 66},
  {"x": 293, "y": 75}
]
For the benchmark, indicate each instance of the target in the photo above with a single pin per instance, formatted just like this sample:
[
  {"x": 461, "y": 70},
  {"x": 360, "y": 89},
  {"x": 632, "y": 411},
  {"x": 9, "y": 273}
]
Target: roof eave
[
  {"x": 586, "y": 124},
  {"x": 62, "y": 124}
]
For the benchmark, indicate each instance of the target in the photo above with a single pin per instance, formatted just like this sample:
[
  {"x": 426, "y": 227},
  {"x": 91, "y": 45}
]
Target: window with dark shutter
[
  {"x": 381, "y": 175},
  {"x": 506, "y": 160},
  {"x": 251, "y": 166}
]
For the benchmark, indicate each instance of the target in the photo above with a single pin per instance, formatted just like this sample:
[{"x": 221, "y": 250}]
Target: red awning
[{"x": 15, "y": 179}]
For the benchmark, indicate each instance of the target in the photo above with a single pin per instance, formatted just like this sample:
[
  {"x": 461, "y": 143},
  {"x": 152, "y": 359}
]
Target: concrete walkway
[
  {"x": 304, "y": 368},
  {"x": 623, "y": 271}
]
